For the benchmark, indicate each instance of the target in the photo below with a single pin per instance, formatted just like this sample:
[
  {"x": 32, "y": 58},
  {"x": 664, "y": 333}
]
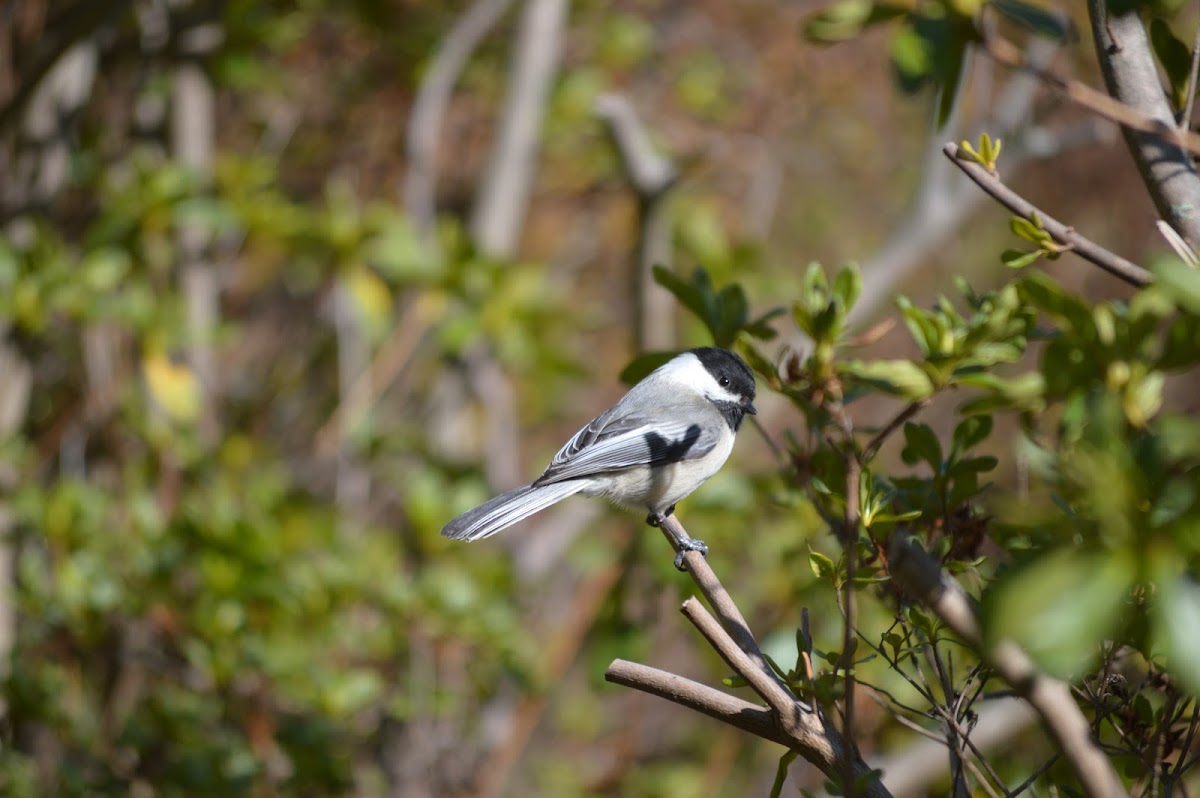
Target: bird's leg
[{"x": 684, "y": 542}]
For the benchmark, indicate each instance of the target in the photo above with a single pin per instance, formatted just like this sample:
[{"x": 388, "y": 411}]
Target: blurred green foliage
[{"x": 200, "y": 616}]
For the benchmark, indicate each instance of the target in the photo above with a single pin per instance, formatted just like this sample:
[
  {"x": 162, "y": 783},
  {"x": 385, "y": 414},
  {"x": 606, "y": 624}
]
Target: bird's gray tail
[{"x": 507, "y": 509}]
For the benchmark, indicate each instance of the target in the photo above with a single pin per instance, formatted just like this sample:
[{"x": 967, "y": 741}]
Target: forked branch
[{"x": 785, "y": 719}]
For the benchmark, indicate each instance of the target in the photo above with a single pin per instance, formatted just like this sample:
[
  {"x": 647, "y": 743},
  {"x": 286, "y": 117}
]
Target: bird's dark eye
[{"x": 724, "y": 382}]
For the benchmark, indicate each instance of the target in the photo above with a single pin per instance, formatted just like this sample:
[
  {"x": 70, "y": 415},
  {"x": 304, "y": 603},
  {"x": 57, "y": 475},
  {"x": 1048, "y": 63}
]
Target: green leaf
[
  {"x": 898, "y": 377},
  {"x": 731, "y": 315},
  {"x": 398, "y": 253},
  {"x": 1015, "y": 259},
  {"x": 759, "y": 362},
  {"x": 1182, "y": 345},
  {"x": 1179, "y": 437},
  {"x": 1061, "y": 607},
  {"x": 1181, "y": 282},
  {"x": 1037, "y": 19},
  {"x": 951, "y": 72},
  {"x": 974, "y": 465},
  {"x": 1049, "y": 296},
  {"x": 894, "y": 518},
  {"x": 104, "y": 269},
  {"x": 760, "y": 329},
  {"x": 781, "y": 772},
  {"x": 1177, "y": 496},
  {"x": 1175, "y": 57},
  {"x": 1143, "y": 398},
  {"x": 971, "y": 432},
  {"x": 642, "y": 365},
  {"x": 847, "y": 286},
  {"x": 920, "y": 325},
  {"x": 912, "y": 58},
  {"x": 1176, "y": 619},
  {"x": 921, "y": 445},
  {"x": 822, "y": 567},
  {"x": 696, "y": 296},
  {"x": 845, "y": 19},
  {"x": 1030, "y": 229}
]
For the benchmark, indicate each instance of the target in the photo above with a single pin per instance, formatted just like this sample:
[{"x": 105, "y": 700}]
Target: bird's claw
[{"x": 686, "y": 545}]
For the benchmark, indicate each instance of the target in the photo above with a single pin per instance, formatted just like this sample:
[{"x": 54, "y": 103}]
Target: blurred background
[{"x": 284, "y": 286}]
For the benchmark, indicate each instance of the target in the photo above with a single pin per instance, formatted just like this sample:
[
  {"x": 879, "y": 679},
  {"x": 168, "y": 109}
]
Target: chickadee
[{"x": 660, "y": 442}]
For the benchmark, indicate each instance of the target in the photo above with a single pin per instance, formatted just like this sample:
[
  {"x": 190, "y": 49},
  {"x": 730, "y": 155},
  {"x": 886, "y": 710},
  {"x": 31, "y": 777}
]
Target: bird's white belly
[{"x": 656, "y": 489}]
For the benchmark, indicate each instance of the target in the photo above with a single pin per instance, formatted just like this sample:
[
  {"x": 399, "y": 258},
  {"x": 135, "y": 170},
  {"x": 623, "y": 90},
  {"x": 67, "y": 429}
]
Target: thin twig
[
  {"x": 1099, "y": 103},
  {"x": 849, "y": 608},
  {"x": 872, "y": 447},
  {"x": 954, "y": 736},
  {"x": 1037, "y": 774},
  {"x": 1178, "y": 770},
  {"x": 941, "y": 207},
  {"x": 748, "y": 717},
  {"x": 1063, "y": 234},
  {"x": 777, "y": 696}
]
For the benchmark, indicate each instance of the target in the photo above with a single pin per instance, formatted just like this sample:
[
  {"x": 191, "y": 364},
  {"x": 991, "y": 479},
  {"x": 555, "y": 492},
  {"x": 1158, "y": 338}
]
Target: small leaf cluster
[
  {"x": 954, "y": 475},
  {"x": 960, "y": 347},
  {"x": 724, "y": 312},
  {"x": 1031, "y": 230},
  {"x": 987, "y": 154}
]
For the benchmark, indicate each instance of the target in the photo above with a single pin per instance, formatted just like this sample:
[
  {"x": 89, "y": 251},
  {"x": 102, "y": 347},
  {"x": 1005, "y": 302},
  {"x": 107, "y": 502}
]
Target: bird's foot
[
  {"x": 656, "y": 519},
  {"x": 686, "y": 545}
]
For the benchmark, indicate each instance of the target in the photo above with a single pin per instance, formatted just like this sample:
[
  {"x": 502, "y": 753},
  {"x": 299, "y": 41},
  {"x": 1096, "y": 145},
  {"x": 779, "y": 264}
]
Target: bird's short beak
[{"x": 749, "y": 408}]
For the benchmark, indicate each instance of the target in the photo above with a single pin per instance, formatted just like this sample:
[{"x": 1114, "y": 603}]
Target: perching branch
[
  {"x": 1081, "y": 245},
  {"x": 714, "y": 593},
  {"x": 786, "y": 720},
  {"x": 921, "y": 576}
]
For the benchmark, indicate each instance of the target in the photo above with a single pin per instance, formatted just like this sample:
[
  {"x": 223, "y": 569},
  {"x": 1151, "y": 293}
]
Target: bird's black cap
[{"x": 732, "y": 374}]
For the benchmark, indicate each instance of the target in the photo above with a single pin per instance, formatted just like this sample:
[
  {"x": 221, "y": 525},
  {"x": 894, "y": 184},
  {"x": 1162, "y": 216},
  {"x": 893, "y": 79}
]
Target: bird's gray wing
[{"x": 611, "y": 443}]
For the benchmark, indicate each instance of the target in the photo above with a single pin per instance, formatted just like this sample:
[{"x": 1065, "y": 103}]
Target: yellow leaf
[
  {"x": 173, "y": 386},
  {"x": 371, "y": 299}
]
